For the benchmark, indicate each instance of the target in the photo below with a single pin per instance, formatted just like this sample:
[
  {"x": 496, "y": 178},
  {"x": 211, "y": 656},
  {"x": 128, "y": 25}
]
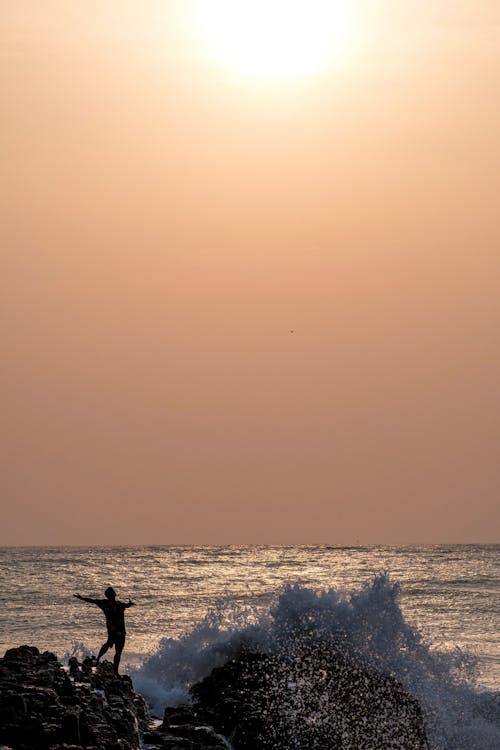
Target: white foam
[{"x": 366, "y": 625}]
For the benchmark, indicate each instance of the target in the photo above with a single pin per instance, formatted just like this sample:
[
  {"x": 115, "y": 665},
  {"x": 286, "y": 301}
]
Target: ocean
[{"x": 429, "y": 615}]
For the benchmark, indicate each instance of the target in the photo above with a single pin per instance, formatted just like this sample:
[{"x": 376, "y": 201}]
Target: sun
[{"x": 275, "y": 39}]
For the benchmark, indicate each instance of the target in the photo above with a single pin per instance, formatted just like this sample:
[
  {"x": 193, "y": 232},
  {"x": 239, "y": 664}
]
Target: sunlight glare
[{"x": 275, "y": 39}]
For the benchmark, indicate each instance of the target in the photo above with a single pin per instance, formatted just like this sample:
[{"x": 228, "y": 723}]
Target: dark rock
[
  {"x": 201, "y": 736},
  {"x": 311, "y": 699},
  {"x": 43, "y": 707},
  {"x": 70, "y": 728},
  {"x": 179, "y": 715},
  {"x": 26, "y": 654},
  {"x": 186, "y": 738},
  {"x": 183, "y": 730},
  {"x": 274, "y": 702}
]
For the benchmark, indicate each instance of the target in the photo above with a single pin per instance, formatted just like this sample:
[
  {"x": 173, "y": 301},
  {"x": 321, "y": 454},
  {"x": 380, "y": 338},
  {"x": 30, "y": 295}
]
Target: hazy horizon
[{"x": 246, "y": 309}]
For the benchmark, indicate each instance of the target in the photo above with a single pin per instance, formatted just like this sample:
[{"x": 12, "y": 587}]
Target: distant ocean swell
[{"x": 365, "y": 625}]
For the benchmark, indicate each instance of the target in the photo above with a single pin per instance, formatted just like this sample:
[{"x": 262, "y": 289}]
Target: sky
[{"x": 241, "y": 308}]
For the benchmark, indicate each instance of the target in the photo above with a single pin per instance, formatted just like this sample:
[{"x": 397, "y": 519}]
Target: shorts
[{"x": 117, "y": 640}]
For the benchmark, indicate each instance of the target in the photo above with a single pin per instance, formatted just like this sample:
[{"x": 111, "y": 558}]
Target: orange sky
[{"x": 166, "y": 224}]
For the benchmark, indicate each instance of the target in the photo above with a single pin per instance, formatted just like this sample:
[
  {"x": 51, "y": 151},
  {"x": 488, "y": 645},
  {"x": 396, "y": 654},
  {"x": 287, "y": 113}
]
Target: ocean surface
[{"x": 429, "y": 615}]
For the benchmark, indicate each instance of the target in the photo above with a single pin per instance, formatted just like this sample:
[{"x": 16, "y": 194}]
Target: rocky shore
[{"x": 253, "y": 702}]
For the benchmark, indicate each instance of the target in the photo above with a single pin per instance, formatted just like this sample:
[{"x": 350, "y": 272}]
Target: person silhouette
[{"x": 114, "y": 612}]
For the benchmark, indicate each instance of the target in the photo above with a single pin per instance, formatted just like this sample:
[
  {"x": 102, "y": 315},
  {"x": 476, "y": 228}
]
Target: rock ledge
[
  {"x": 45, "y": 707},
  {"x": 253, "y": 702}
]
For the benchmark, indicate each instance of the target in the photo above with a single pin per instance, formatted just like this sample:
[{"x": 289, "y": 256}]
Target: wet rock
[
  {"x": 274, "y": 702},
  {"x": 45, "y": 707},
  {"x": 179, "y": 715},
  {"x": 309, "y": 700},
  {"x": 42, "y": 708},
  {"x": 186, "y": 737}
]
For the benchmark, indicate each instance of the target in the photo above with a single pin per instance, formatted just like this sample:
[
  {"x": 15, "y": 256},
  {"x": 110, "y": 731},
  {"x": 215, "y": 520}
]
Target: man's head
[{"x": 110, "y": 593}]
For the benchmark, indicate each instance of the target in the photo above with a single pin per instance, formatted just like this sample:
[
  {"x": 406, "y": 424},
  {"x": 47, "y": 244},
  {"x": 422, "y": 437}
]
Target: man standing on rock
[{"x": 115, "y": 622}]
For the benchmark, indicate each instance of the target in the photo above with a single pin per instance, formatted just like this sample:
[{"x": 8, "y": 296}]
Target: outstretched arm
[
  {"x": 130, "y": 603},
  {"x": 85, "y": 599}
]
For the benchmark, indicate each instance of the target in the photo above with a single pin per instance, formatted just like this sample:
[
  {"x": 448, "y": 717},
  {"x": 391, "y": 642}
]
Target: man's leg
[
  {"x": 119, "y": 644},
  {"x": 103, "y": 650}
]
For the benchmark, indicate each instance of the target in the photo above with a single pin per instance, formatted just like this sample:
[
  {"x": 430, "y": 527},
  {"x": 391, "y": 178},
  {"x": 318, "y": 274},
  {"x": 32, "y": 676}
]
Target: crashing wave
[{"x": 364, "y": 627}]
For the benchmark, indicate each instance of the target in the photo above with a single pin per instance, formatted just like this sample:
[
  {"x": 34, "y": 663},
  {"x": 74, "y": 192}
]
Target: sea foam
[{"x": 364, "y": 625}]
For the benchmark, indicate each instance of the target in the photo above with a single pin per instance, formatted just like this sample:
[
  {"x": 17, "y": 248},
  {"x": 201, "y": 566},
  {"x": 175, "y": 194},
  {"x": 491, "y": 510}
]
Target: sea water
[{"x": 427, "y": 615}]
